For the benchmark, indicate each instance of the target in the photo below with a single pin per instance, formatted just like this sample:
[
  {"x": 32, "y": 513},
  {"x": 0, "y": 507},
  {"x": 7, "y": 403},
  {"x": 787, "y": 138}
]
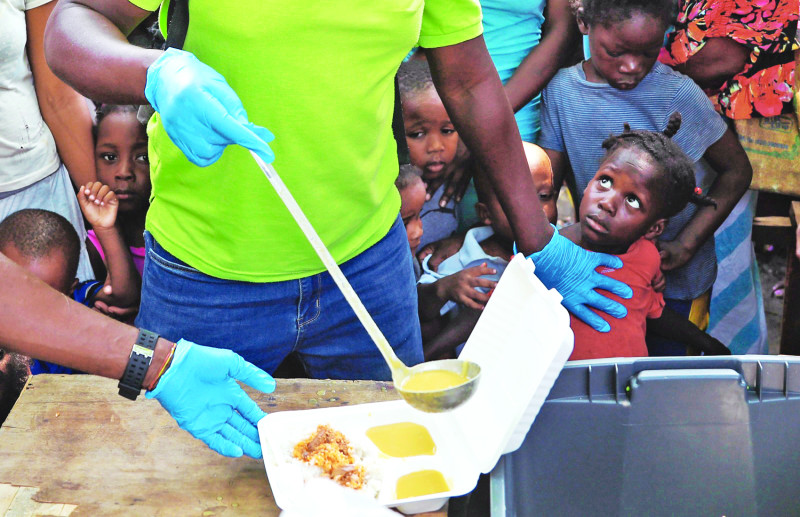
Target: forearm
[
  {"x": 560, "y": 36},
  {"x": 456, "y": 331},
  {"x": 124, "y": 278},
  {"x": 675, "y": 327},
  {"x": 89, "y": 52},
  {"x": 429, "y": 302},
  {"x": 471, "y": 91},
  {"x": 733, "y": 180},
  {"x": 41, "y": 322}
]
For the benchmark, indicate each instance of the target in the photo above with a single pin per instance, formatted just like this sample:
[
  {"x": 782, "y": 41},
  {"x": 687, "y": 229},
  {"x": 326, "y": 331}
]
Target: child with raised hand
[
  {"x": 123, "y": 171},
  {"x": 464, "y": 280},
  {"x": 643, "y": 180},
  {"x": 412, "y": 196},
  {"x": 432, "y": 144},
  {"x": 623, "y": 82}
]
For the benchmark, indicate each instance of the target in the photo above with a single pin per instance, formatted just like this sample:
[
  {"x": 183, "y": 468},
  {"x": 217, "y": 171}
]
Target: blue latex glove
[
  {"x": 570, "y": 269},
  {"x": 200, "y": 112},
  {"x": 199, "y": 390}
]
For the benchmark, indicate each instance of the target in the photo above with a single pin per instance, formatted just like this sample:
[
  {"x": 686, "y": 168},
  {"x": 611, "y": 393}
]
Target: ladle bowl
[
  {"x": 441, "y": 400},
  {"x": 431, "y": 401}
]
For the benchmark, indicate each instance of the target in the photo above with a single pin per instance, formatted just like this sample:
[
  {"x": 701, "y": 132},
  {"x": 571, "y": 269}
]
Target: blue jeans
[{"x": 264, "y": 322}]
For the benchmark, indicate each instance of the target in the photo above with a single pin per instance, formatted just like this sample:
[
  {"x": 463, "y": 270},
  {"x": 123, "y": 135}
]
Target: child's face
[
  {"x": 623, "y": 52},
  {"x": 411, "y": 200},
  {"x": 432, "y": 139},
  {"x": 51, "y": 269},
  {"x": 618, "y": 207},
  {"x": 121, "y": 160}
]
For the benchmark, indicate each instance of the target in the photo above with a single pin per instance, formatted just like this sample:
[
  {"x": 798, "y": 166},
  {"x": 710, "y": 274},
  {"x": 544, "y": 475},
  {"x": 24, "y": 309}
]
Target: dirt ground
[{"x": 771, "y": 266}]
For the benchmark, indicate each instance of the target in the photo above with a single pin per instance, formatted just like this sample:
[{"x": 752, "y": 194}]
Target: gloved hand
[
  {"x": 571, "y": 270},
  {"x": 200, "y": 112},
  {"x": 199, "y": 390}
]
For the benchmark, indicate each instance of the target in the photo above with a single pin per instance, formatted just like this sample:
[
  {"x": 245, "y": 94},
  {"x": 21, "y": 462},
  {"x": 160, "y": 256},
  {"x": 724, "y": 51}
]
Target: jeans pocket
[{"x": 166, "y": 260}]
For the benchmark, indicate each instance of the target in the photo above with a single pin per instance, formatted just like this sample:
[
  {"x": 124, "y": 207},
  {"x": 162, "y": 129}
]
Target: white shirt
[{"x": 27, "y": 149}]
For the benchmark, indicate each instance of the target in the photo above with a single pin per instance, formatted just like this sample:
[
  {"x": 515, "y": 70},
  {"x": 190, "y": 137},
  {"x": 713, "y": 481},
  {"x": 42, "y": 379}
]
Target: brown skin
[
  {"x": 63, "y": 109},
  {"x": 560, "y": 37},
  {"x": 40, "y": 322},
  {"x": 716, "y": 63}
]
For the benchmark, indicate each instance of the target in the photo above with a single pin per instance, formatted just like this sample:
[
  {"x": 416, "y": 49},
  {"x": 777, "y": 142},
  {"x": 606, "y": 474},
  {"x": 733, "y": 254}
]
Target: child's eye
[
  {"x": 143, "y": 158},
  {"x": 613, "y": 54},
  {"x": 545, "y": 196},
  {"x": 633, "y": 201},
  {"x": 415, "y": 134},
  {"x": 448, "y": 130},
  {"x": 108, "y": 157},
  {"x": 605, "y": 182}
]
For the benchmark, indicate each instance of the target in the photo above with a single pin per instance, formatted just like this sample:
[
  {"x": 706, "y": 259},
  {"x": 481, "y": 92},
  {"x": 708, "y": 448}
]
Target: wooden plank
[
  {"x": 790, "y": 324},
  {"x": 81, "y": 444}
]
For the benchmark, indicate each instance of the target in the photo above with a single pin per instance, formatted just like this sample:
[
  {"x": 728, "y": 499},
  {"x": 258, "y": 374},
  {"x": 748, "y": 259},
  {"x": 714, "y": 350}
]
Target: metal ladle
[{"x": 429, "y": 401}]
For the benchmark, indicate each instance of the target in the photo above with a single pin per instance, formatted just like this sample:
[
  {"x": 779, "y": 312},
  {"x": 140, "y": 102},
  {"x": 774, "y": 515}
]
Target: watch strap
[{"x": 139, "y": 361}]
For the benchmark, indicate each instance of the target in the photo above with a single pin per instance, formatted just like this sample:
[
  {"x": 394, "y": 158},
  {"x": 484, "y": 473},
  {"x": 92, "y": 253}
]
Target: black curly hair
[
  {"x": 407, "y": 176},
  {"x": 36, "y": 233},
  {"x": 676, "y": 183},
  {"x": 413, "y": 77},
  {"x": 104, "y": 110},
  {"x": 608, "y": 12}
]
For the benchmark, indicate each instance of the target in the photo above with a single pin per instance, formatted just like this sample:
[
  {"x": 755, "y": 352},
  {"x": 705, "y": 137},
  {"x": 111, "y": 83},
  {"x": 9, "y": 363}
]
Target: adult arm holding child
[
  {"x": 734, "y": 174},
  {"x": 123, "y": 285},
  {"x": 198, "y": 387}
]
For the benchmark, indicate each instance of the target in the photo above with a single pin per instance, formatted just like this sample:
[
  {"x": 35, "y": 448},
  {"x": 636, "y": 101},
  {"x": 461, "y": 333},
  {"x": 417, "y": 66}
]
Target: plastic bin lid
[{"x": 521, "y": 342}]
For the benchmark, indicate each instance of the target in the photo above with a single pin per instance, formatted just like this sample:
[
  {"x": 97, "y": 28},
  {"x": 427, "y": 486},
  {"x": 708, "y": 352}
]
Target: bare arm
[
  {"x": 471, "y": 90},
  {"x": 41, "y": 322},
  {"x": 64, "y": 110},
  {"x": 559, "y": 40},
  {"x": 672, "y": 325},
  {"x": 85, "y": 46},
  {"x": 728, "y": 158}
]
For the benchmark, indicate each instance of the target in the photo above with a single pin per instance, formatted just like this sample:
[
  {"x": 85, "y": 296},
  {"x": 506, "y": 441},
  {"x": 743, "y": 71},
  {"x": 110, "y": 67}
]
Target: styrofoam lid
[{"x": 521, "y": 343}]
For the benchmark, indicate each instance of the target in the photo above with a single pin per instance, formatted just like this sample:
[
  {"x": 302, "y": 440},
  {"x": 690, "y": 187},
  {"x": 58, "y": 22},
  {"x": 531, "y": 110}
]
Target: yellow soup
[
  {"x": 434, "y": 380},
  {"x": 422, "y": 482},
  {"x": 402, "y": 440}
]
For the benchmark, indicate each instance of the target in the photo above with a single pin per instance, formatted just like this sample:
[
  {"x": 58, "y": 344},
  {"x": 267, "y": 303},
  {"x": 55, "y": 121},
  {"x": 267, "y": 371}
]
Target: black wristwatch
[{"x": 139, "y": 361}]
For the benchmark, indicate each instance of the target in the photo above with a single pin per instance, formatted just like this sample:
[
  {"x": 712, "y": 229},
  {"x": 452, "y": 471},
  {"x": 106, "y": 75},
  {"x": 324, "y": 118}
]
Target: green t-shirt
[{"x": 319, "y": 75}]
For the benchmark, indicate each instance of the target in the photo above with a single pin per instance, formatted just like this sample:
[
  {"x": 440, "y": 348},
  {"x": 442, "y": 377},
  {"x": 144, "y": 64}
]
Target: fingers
[
  {"x": 247, "y": 135},
  {"x": 222, "y": 445},
  {"x": 590, "y": 318},
  {"x": 611, "y": 285},
  {"x": 481, "y": 270},
  {"x": 605, "y": 304},
  {"x": 424, "y": 252},
  {"x": 243, "y": 426},
  {"x": 251, "y": 375},
  {"x": 241, "y": 442},
  {"x": 475, "y": 300},
  {"x": 604, "y": 259}
]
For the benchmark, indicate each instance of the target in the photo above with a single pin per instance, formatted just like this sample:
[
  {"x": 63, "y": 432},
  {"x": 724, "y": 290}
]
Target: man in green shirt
[{"x": 226, "y": 263}]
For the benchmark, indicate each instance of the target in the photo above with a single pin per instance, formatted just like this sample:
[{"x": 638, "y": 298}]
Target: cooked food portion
[
  {"x": 422, "y": 482},
  {"x": 329, "y": 450},
  {"x": 402, "y": 439}
]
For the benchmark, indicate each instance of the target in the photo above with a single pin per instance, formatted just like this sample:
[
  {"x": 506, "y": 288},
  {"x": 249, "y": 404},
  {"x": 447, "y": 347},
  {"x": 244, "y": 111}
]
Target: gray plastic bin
[{"x": 702, "y": 436}]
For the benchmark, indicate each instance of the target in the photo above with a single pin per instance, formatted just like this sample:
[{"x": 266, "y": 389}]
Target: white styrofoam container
[{"x": 521, "y": 342}]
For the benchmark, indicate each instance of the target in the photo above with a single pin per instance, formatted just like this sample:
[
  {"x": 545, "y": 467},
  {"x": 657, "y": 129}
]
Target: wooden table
[{"x": 73, "y": 446}]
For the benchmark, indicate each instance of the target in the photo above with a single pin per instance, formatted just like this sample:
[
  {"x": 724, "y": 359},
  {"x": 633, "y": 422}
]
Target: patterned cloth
[{"x": 766, "y": 27}]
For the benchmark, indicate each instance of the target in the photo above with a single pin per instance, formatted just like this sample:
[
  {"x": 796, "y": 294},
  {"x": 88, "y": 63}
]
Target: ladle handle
[{"x": 350, "y": 295}]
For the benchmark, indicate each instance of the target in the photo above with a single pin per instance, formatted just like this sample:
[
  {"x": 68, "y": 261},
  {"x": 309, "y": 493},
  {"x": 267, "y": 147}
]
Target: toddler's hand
[
  {"x": 441, "y": 250},
  {"x": 99, "y": 205},
  {"x": 673, "y": 255},
  {"x": 659, "y": 283},
  {"x": 462, "y": 287}
]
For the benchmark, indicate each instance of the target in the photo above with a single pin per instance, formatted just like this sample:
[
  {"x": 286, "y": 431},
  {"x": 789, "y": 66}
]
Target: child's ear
[
  {"x": 483, "y": 213},
  {"x": 656, "y": 230},
  {"x": 582, "y": 26}
]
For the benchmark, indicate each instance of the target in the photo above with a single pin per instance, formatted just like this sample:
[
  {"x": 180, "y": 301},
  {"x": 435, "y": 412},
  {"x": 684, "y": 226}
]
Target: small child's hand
[
  {"x": 461, "y": 287},
  {"x": 99, "y": 205},
  {"x": 659, "y": 282},
  {"x": 673, "y": 254}
]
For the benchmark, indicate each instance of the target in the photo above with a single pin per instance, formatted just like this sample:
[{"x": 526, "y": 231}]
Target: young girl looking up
[
  {"x": 122, "y": 165},
  {"x": 412, "y": 196},
  {"x": 432, "y": 143},
  {"x": 643, "y": 181},
  {"x": 622, "y": 82}
]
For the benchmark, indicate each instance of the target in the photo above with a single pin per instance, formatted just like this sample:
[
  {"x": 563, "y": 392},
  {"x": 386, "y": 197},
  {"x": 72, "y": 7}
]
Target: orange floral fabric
[{"x": 767, "y": 27}]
